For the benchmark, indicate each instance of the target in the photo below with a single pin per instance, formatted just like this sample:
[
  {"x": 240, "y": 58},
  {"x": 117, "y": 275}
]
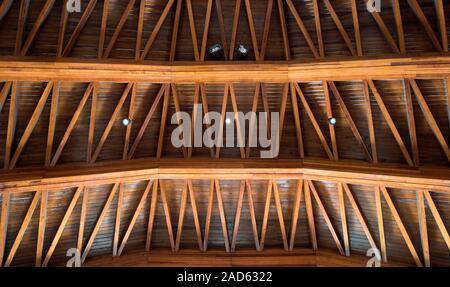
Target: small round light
[
  {"x": 228, "y": 121},
  {"x": 126, "y": 122},
  {"x": 332, "y": 121}
]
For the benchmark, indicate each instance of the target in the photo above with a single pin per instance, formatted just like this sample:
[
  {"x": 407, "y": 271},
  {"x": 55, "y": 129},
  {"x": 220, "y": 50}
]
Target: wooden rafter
[
  {"x": 62, "y": 225},
  {"x": 31, "y": 124},
  {"x": 23, "y": 228},
  {"x": 120, "y": 71},
  {"x": 37, "y": 26},
  {"x": 310, "y": 216},
  {"x": 295, "y": 213},
  {"x": 237, "y": 217},
  {"x": 23, "y": 13},
  {"x": 223, "y": 36},
  {"x": 80, "y": 26},
  {"x": 284, "y": 96},
  {"x": 146, "y": 121},
  {"x": 325, "y": 216},
  {"x": 276, "y": 195},
  {"x": 195, "y": 118},
  {"x": 181, "y": 217},
  {"x": 176, "y": 26},
  {"x": 176, "y": 103},
  {"x": 62, "y": 29},
  {"x": 303, "y": 29},
  {"x": 442, "y": 24},
  {"x": 266, "y": 29},
  {"x": 90, "y": 147},
  {"x": 135, "y": 217},
  {"x": 340, "y": 27},
  {"x": 215, "y": 188},
  {"x": 193, "y": 30},
  {"x": 360, "y": 216},
  {"x": 411, "y": 122},
  {"x": 390, "y": 123},
  {"x": 399, "y": 25},
  {"x": 400, "y": 225},
  {"x": 241, "y": 140},
  {"x": 342, "y": 211},
  {"x": 156, "y": 29},
  {"x": 284, "y": 33},
  {"x": 208, "y": 214},
  {"x": 373, "y": 143},
  {"x": 206, "y": 29},
  {"x": 126, "y": 146},
  {"x": 222, "y": 119},
  {"x": 4, "y": 93},
  {"x": 314, "y": 121},
  {"x": 430, "y": 118},
  {"x": 317, "y": 21},
  {"x": 385, "y": 31},
  {"x": 237, "y": 13},
  {"x": 447, "y": 86},
  {"x": 72, "y": 124},
  {"x": 4, "y": 8},
  {"x": 12, "y": 118},
  {"x": 84, "y": 206},
  {"x": 380, "y": 223},
  {"x": 151, "y": 217},
  {"x": 251, "y": 24},
  {"x": 118, "y": 29},
  {"x": 252, "y": 123},
  {"x": 118, "y": 219},
  {"x": 103, "y": 26},
  {"x": 162, "y": 127},
  {"x": 329, "y": 109},
  {"x": 350, "y": 121},
  {"x": 266, "y": 215},
  {"x": 223, "y": 219},
  {"x": 298, "y": 126},
  {"x": 166, "y": 208},
  {"x": 437, "y": 218},
  {"x": 195, "y": 214},
  {"x": 421, "y": 214},
  {"x": 52, "y": 123},
  {"x": 423, "y": 19},
  {"x": 99, "y": 222},
  {"x": 252, "y": 213},
  {"x": 6, "y": 199},
  {"x": 111, "y": 122},
  {"x": 41, "y": 228},
  {"x": 393, "y": 176}
]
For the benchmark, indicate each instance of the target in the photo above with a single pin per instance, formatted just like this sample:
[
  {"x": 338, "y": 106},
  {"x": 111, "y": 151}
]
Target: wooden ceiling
[{"x": 74, "y": 176}]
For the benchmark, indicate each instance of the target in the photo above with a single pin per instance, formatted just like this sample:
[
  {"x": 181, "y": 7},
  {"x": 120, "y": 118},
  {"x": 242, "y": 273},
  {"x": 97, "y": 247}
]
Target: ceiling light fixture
[
  {"x": 126, "y": 122},
  {"x": 241, "y": 52},
  {"x": 332, "y": 121},
  {"x": 215, "y": 52}
]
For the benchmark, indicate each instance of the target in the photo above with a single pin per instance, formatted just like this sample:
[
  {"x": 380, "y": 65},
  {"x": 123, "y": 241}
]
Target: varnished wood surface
[
  {"x": 81, "y": 70},
  {"x": 244, "y": 258},
  {"x": 150, "y": 42},
  {"x": 104, "y": 173}
]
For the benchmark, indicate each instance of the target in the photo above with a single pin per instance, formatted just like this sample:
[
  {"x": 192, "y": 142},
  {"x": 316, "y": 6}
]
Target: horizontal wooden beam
[
  {"x": 74, "y": 175},
  {"x": 242, "y": 258},
  {"x": 42, "y": 69}
]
